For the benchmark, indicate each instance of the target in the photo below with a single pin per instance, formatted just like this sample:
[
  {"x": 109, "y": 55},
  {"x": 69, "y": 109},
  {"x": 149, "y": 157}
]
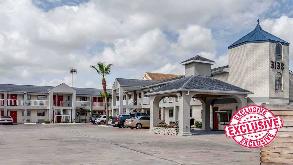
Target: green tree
[{"x": 103, "y": 70}]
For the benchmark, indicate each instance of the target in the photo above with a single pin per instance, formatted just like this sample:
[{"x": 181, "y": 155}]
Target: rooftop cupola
[
  {"x": 258, "y": 35},
  {"x": 197, "y": 65}
]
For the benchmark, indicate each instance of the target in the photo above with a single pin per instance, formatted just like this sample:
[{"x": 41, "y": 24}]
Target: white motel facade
[
  {"x": 257, "y": 73},
  {"x": 60, "y": 104}
]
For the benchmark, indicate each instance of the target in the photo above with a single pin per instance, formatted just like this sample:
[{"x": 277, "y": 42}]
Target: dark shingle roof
[
  {"x": 134, "y": 82},
  {"x": 90, "y": 91},
  {"x": 197, "y": 58},
  {"x": 220, "y": 70},
  {"x": 199, "y": 83},
  {"x": 24, "y": 88},
  {"x": 258, "y": 35},
  {"x": 46, "y": 89}
]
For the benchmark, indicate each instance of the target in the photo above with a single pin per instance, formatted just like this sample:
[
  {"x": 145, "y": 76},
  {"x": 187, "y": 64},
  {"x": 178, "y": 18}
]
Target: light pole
[{"x": 72, "y": 71}]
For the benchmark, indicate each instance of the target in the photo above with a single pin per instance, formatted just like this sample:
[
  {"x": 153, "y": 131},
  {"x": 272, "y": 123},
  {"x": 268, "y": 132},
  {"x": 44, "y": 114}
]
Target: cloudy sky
[{"x": 40, "y": 40}]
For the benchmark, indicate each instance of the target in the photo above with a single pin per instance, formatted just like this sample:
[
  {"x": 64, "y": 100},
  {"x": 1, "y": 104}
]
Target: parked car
[
  {"x": 137, "y": 114},
  {"x": 138, "y": 122},
  {"x": 93, "y": 118},
  {"x": 118, "y": 121},
  {"x": 101, "y": 119},
  {"x": 6, "y": 120}
]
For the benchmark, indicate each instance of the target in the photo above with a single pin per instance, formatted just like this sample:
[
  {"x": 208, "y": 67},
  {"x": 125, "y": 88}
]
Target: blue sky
[{"x": 43, "y": 39}]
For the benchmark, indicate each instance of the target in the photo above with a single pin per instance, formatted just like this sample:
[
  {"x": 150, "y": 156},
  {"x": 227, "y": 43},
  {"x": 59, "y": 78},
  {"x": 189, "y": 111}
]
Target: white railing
[
  {"x": 2, "y": 102},
  {"x": 82, "y": 103},
  {"x": 63, "y": 104},
  {"x": 13, "y": 102},
  {"x": 37, "y": 102},
  {"x": 98, "y": 104}
]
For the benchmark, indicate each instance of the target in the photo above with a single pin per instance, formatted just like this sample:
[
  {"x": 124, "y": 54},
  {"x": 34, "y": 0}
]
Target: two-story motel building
[
  {"x": 257, "y": 73},
  {"x": 37, "y": 104}
]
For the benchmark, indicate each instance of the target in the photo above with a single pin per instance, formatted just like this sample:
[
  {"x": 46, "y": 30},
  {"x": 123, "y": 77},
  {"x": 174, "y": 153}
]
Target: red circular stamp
[{"x": 253, "y": 126}]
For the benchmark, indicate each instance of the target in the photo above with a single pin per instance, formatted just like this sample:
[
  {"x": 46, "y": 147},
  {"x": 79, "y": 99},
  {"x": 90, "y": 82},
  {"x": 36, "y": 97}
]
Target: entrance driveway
[{"x": 89, "y": 144}]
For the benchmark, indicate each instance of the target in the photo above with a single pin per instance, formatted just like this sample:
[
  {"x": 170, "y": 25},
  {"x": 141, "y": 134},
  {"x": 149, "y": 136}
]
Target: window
[
  {"x": 28, "y": 113},
  {"x": 278, "y": 52},
  {"x": 170, "y": 112},
  {"x": 225, "y": 115},
  {"x": 278, "y": 82},
  {"x": 145, "y": 118},
  {"x": 41, "y": 113},
  {"x": 42, "y": 97},
  {"x": 190, "y": 112},
  {"x": 68, "y": 98},
  {"x": 83, "y": 98}
]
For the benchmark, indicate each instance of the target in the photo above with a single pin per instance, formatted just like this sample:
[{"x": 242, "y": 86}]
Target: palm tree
[{"x": 104, "y": 69}]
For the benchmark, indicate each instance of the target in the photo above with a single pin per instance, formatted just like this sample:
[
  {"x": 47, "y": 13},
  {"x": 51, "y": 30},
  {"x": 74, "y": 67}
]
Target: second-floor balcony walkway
[
  {"x": 62, "y": 103},
  {"x": 37, "y": 102},
  {"x": 83, "y": 103}
]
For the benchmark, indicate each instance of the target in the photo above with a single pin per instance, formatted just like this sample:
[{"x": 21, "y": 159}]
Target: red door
[
  {"x": 13, "y": 98},
  {"x": 94, "y": 99},
  {"x": 57, "y": 100},
  {"x": 215, "y": 119},
  {"x": 54, "y": 100},
  {"x": 13, "y": 114},
  {"x": 60, "y": 100}
]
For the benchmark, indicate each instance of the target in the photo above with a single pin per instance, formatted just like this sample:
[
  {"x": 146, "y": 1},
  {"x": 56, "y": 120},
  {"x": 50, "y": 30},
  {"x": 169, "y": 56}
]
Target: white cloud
[
  {"x": 171, "y": 68},
  {"x": 196, "y": 37},
  {"x": 147, "y": 49},
  {"x": 40, "y": 47},
  {"x": 281, "y": 27}
]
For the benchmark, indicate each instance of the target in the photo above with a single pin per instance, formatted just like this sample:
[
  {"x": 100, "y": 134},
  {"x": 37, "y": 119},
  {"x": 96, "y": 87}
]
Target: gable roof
[
  {"x": 197, "y": 58},
  {"x": 91, "y": 91},
  {"x": 200, "y": 84},
  {"x": 258, "y": 35},
  {"x": 46, "y": 89},
  {"x": 158, "y": 76},
  {"x": 25, "y": 88}
]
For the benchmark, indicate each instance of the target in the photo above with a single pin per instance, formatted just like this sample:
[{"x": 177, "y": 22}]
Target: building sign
[
  {"x": 253, "y": 126},
  {"x": 277, "y": 65}
]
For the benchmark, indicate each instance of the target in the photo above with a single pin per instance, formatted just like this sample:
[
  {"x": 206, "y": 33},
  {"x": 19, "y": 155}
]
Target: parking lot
[{"x": 91, "y": 144}]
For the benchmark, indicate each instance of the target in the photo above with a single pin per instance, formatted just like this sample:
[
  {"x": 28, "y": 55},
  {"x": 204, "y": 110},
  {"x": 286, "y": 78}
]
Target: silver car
[{"x": 6, "y": 120}]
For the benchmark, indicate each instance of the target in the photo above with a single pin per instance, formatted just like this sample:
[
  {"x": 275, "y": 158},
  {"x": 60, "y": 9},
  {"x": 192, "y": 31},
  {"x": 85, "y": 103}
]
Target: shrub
[
  {"x": 47, "y": 122},
  {"x": 198, "y": 124},
  {"x": 171, "y": 125}
]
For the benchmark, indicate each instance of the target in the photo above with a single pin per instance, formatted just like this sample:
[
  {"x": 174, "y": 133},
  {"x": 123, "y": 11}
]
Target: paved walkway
[{"x": 89, "y": 144}]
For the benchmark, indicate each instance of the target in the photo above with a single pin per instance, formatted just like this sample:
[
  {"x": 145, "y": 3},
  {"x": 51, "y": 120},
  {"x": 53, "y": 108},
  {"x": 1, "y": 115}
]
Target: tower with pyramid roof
[{"x": 259, "y": 62}]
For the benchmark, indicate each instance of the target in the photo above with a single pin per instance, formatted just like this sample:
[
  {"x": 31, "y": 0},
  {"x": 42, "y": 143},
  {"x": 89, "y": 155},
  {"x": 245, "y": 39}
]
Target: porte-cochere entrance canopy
[{"x": 206, "y": 89}]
